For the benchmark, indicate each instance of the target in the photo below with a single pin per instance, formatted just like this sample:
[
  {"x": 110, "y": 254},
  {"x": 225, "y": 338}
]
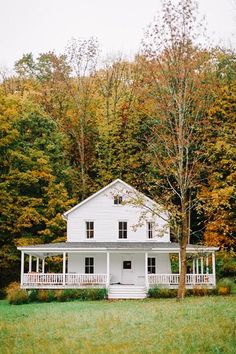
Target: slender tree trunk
[{"x": 183, "y": 254}]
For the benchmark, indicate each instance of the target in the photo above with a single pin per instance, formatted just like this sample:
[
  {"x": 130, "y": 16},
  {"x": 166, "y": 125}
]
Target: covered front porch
[{"x": 102, "y": 264}]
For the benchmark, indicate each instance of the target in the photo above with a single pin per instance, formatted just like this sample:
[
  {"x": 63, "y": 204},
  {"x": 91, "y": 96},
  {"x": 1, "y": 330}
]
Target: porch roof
[{"x": 114, "y": 246}]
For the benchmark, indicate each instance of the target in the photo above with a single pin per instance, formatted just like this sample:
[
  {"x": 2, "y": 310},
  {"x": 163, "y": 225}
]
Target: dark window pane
[
  {"x": 117, "y": 199},
  {"x": 151, "y": 265},
  {"x": 89, "y": 265},
  {"x": 126, "y": 264}
]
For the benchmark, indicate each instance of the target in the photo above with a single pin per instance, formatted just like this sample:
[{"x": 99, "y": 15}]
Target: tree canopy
[{"x": 164, "y": 122}]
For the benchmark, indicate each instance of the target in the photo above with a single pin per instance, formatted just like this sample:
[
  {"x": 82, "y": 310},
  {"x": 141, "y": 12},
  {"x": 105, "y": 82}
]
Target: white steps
[{"x": 127, "y": 292}]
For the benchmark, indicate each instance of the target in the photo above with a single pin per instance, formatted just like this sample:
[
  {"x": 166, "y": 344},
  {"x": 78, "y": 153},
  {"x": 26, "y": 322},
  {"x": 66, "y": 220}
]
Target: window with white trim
[
  {"x": 151, "y": 265},
  {"x": 118, "y": 200},
  {"x": 89, "y": 229},
  {"x": 150, "y": 229},
  {"x": 122, "y": 229},
  {"x": 89, "y": 265}
]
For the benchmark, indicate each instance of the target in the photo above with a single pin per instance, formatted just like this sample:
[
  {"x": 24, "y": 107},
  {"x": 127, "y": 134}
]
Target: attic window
[{"x": 117, "y": 200}]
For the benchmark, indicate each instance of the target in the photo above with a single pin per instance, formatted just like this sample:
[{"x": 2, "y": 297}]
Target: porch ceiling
[{"x": 94, "y": 246}]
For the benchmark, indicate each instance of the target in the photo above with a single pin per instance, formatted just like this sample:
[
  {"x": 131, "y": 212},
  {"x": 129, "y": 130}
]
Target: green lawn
[{"x": 198, "y": 325}]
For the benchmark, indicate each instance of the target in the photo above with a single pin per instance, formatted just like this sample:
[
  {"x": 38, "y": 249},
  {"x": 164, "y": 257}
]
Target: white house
[{"x": 115, "y": 243}]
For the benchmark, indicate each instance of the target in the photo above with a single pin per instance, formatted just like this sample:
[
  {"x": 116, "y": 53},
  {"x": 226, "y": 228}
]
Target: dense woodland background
[{"x": 69, "y": 126}]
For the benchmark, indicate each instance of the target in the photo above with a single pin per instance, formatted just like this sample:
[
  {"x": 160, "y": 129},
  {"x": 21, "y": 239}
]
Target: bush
[
  {"x": 93, "y": 294},
  {"x": 200, "y": 290},
  {"x": 46, "y": 295},
  {"x": 80, "y": 294},
  {"x": 60, "y": 295},
  {"x": 33, "y": 295},
  {"x": 16, "y": 295},
  {"x": 2, "y": 293},
  {"x": 158, "y": 292},
  {"x": 224, "y": 286}
]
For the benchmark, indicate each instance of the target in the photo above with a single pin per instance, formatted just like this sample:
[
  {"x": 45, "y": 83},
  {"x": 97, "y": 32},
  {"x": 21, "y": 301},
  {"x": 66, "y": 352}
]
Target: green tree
[{"x": 35, "y": 178}]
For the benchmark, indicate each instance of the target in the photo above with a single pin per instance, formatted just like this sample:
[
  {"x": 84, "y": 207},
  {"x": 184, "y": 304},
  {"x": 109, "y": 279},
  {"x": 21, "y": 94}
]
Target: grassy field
[{"x": 198, "y": 325}]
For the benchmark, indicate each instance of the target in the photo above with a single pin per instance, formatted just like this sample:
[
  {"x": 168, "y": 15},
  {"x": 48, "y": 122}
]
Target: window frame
[
  {"x": 150, "y": 230},
  {"x": 151, "y": 265},
  {"x": 117, "y": 200},
  {"x": 89, "y": 232},
  {"x": 89, "y": 265},
  {"x": 122, "y": 231}
]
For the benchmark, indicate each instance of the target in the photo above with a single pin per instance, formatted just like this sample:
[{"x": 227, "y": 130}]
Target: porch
[{"x": 101, "y": 264}]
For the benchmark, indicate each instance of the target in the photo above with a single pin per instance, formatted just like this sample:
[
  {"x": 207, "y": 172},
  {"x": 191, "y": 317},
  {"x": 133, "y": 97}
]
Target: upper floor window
[
  {"x": 122, "y": 229},
  {"x": 89, "y": 229},
  {"x": 89, "y": 265},
  {"x": 150, "y": 229},
  {"x": 117, "y": 200}
]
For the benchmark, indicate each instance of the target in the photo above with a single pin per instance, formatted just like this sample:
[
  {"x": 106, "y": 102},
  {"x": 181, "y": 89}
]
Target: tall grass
[{"x": 198, "y": 325}]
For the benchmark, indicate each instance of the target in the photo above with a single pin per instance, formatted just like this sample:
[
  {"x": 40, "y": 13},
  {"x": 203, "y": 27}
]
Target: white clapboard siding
[{"x": 105, "y": 215}]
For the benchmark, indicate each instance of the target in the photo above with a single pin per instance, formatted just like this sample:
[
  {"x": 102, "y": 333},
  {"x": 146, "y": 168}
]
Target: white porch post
[
  {"x": 108, "y": 270},
  {"x": 146, "y": 270},
  {"x": 37, "y": 264},
  {"x": 214, "y": 268},
  {"x": 22, "y": 268},
  {"x": 43, "y": 265},
  {"x": 197, "y": 266},
  {"x": 201, "y": 265},
  {"x": 194, "y": 265},
  {"x": 30, "y": 263},
  {"x": 207, "y": 264},
  {"x": 64, "y": 268},
  {"x": 179, "y": 263}
]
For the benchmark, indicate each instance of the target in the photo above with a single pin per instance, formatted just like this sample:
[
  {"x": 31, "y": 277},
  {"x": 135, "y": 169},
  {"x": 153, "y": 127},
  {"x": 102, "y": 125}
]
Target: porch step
[{"x": 127, "y": 292}]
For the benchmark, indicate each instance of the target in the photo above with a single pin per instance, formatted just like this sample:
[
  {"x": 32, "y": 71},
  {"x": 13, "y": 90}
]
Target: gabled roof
[{"x": 103, "y": 190}]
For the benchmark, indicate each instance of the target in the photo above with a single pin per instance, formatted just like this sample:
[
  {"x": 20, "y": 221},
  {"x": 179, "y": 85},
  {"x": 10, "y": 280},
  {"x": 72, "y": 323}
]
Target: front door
[{"x": 127, "y": 271}]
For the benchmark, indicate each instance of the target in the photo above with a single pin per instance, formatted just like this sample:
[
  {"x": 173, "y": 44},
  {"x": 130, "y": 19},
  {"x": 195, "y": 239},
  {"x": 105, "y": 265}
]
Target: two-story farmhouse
[{"x": 115, "y": 243}]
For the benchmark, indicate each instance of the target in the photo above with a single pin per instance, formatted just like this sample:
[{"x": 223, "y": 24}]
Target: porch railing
[
  {"x": 69, "y": 279},
  {"x": 173, "y": 279},
  {"x": 40, "y": 279}
]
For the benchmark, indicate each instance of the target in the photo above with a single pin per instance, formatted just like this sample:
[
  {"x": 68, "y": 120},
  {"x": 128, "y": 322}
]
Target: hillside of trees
[{"x": 69, "y": 126}]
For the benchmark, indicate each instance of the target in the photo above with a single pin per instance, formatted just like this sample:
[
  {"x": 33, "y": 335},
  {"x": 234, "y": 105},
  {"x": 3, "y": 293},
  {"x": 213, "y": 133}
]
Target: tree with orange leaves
[{"x": 181, "y": 88}]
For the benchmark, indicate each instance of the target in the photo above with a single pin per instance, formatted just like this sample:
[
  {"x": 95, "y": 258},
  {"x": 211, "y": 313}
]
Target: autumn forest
[{"x": 163, "y": 122}]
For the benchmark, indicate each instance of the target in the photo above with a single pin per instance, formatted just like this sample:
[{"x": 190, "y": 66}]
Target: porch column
[
  {"x": 179, "y": 264},
  {"x": 146, "y": 270},
  {"x": 197, "y": 266},
  {"x": 201, "y": 265},
  {"x": 43, "y": 265},
  {"x": 30, "y": 263},
  {"x": 64, "y": 268},
  {"x": 194, "y": 265},
  {"x": 207, "y": 264},
  {"x": 214, "y": 268},
  {"x": 108, "y": 270},
  {"x": 37, "y": 264},
  {"x": 22, "y": 268}
]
